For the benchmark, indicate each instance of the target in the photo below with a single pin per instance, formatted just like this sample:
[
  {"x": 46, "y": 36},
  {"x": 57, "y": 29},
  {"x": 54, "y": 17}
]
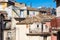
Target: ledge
[
  {"x": 39, "y": 34},
  {"x": 55, "y": 29},
  {"x": 7, "y": 29},
  {"x": 23, "y": 23},
  {"x": 18, "y": 18},
  {"x": 7, "y": 20}
]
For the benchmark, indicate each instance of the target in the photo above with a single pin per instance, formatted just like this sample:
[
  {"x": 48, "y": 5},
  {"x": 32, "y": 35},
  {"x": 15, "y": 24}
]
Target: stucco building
[{"x": 55, "y": 23}]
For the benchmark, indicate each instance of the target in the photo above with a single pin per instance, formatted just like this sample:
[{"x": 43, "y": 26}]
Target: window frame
[{"x": 22, "y": 15}]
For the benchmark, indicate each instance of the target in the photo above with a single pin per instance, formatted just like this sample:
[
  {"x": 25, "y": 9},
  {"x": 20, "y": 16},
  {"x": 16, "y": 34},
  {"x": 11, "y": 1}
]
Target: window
[
  {"x": 32, "y": 13},
  {"x": 45, "y": 28},
  {"x": 21, "y": 13},
  {"x": 37, "y": 26},
  {"x": 27, "y": 12}
]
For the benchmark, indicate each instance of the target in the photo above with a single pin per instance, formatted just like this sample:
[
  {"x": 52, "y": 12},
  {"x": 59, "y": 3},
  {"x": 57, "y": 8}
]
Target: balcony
[
  {"x": 7, "y": 26},
  {"x": 7, "y": 20},
  {"x": 7, "y": 23},
  {"x": 38, "y": 32},
  {"x": 54, "y": 32},
  {"x": 55, "y": 28}
]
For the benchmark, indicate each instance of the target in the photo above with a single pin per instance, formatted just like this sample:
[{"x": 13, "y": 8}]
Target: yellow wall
[
  {"x": 4, "y": 5},
  {"x": 19, "y": 5}
]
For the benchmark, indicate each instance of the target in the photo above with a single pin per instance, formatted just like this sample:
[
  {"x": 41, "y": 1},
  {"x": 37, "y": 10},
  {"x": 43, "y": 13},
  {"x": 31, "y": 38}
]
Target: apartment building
[
  {"x": 56, "y": 22},
  {"x": 6, "y": 12}
]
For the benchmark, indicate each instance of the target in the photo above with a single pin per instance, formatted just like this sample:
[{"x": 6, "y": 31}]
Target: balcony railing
[
  {"x": 38, "y": 32},
  {"x": 56, "y": 28}
]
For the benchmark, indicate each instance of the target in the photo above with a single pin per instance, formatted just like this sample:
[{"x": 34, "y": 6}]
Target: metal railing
[{"x": 39, "y": 30}]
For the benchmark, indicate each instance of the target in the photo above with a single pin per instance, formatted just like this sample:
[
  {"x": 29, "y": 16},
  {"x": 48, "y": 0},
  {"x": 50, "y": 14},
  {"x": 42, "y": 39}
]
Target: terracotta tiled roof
[
  {"x": 38, "y": 18},
  {"x": 42, "y": 9},
  {"x": 45, "y": 9},
  {"x": 30, "y": 20},
  {"x": 46, "y": 16},
  {"x": 31, "y": 9}
]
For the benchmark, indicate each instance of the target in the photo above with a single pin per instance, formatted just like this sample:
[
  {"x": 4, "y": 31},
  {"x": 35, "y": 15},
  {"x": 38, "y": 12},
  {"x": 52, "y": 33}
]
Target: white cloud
[{"x": 40, "y": 7}]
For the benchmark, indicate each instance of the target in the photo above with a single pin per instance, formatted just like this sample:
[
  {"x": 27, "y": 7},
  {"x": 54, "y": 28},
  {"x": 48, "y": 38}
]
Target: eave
[{"x": 39, "y": 34}]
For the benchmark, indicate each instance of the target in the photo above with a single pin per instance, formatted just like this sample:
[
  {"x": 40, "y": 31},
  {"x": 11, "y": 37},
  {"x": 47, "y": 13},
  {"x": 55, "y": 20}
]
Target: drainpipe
[{"x": 1, "y": 26}]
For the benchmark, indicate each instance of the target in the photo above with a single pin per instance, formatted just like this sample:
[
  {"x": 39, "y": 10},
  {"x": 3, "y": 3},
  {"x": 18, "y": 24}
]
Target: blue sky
[{"x": 39, "y": 3}]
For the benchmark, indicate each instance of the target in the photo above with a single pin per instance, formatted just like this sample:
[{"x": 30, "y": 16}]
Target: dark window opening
[
  {"x": 22, "y": 13},
  {"x": 27, "y": 12},
  {"x": 43, "y": 11},
  {"x": 37, "y": 26},
  {"x": 42, "y": 27}
]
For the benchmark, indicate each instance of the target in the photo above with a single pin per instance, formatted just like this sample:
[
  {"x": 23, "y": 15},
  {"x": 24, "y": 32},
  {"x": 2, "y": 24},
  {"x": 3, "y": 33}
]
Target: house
[
  {"x": 55, "y": 23},
  {"x": 34, "y": 28},
  {"x": 25, "y": 11},
  {"x": 5, "y": 11}
]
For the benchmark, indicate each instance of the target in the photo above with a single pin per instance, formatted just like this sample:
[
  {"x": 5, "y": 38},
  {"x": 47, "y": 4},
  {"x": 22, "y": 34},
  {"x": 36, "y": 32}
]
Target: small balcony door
[{"x": 22, "y": 13}]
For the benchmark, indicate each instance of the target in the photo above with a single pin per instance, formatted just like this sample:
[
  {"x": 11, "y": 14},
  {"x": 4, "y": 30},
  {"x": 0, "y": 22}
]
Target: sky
[{"x": 39, "y": 3}]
